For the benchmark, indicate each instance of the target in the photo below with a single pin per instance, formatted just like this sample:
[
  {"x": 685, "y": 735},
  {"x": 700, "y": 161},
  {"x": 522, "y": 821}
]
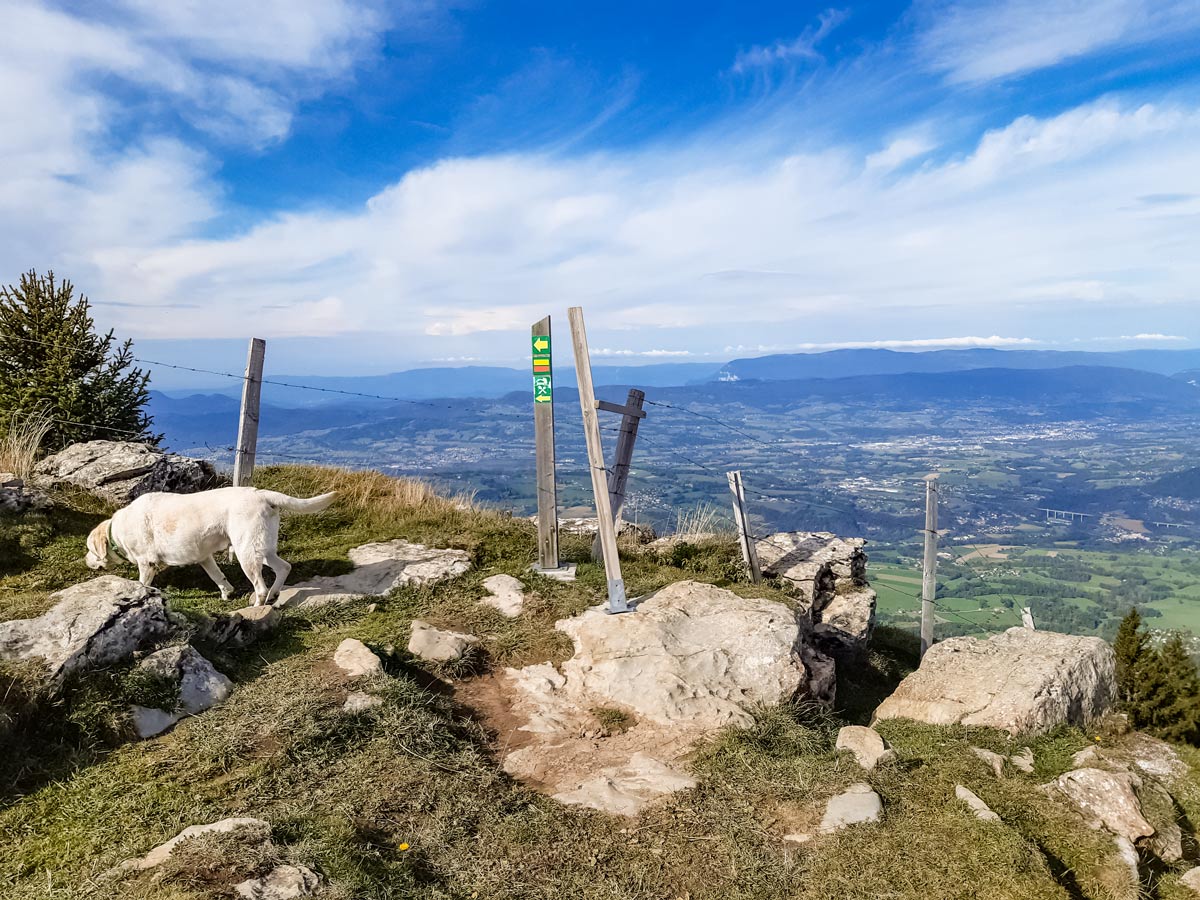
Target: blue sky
[{"x": 373, "y": 186}]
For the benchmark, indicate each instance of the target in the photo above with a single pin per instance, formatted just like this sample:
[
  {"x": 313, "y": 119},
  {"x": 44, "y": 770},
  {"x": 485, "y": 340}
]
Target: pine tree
[
  {"x": 1172, "y": 701},
  {"x": 1130, "y": 649},
  {"x": 53, "y": 361}
]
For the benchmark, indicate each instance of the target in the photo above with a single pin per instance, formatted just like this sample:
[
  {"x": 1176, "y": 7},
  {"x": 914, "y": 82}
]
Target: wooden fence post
[
  {"x": 929, "y": 567},
  {"x": 745, "y": 538},
  {"x": 617, "y": 602},
  {"x": 543, "y": 432},
  {"x": 631, "y": 414},
  {"x": 247, "y": 441}
]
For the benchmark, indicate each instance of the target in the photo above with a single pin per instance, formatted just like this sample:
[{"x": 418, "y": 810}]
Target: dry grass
[
  {"x": 378, "y": 493},
  {"x": 702, "y": 520},
  {"x": 22, "y": 442}
]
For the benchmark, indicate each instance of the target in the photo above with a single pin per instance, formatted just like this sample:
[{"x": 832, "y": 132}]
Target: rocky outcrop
[
  {"x": 505, "y": 594},
  {"x": 1106, "y": 799},
  {"x": 249, "y": 830},
  {"x": 588, "y": 525},
  {"x": 1021, "y": 681},
  {"x": 120, "y": 471},
  {"x": 200, "y": 687},
  {"x": 97, "y": 623},
  {"x": 378, "y": 569},
  {"x": 435, "y": 645},
  {"x": 829, "y": 576},
  {"x": 692, "y": 658},
  {"x": 17, "y": 497},
  {"x": 355, "y": 659}
]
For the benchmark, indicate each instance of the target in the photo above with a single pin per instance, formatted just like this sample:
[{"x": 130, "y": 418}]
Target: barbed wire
[{"x": 712, "y": 418}]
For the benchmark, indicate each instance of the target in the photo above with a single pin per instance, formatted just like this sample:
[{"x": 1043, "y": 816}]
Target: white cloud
[
  {"x": 897, "y": 344},
  {"x": 1153, "y": 337},
  {"x": 984, "y": 40},
  {"x": 605, "y": 351},
  {"x": 803, "y": 47}
]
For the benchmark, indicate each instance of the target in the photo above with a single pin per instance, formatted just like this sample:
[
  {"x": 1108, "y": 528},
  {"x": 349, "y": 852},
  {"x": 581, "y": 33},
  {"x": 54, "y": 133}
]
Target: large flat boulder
[
  {"x": 379, "y": 568},
  {"x": 121, "y": 471},
  {"x": 690, "y": 660},
  {"x": 1022, "y": 681},
  {"x": 96, "y": 623}
]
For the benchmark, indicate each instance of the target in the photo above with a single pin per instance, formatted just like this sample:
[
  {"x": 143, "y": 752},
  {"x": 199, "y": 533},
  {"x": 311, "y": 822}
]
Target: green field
[{"x": 1077, "y": 591}]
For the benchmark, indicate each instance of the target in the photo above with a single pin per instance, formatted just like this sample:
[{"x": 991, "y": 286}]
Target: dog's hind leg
[
  {"x": 210, "y": 566},
  {"x": 252, "y": 564},
  {"x": 282, "y": 568}
]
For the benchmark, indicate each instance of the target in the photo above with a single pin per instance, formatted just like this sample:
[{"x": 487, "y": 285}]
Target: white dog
[{"x": 159, "y": 530}]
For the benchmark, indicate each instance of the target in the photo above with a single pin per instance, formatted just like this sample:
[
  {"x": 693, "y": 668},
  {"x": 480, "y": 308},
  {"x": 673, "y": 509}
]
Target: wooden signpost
[
  {"x": 631, "y": 414},
  {"x": 247, "y": 442},
  {"x": 617, "y": 602},
  {"x": 543, "y": 432}
]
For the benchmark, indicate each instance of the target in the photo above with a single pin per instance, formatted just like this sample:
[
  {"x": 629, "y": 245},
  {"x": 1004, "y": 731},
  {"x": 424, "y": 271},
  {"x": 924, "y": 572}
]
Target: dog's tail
[{"x": 298, "y": 504}]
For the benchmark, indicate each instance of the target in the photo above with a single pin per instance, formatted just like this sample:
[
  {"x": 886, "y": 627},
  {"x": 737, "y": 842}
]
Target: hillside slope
[{"x": 407, "y": 800}]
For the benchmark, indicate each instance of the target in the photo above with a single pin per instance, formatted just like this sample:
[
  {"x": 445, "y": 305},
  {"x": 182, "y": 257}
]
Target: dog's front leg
[{"x": 146, "y": 573}]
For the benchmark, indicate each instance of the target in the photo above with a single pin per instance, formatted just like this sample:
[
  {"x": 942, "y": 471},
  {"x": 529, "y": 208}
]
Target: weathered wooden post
[
  {"x": 1027, "y": 618},
  {"x": 247, "y": 442},
  {"x": 745, "y": 538},
  {"x": 543, "y": 432},
  {"x": 631, "y": 414},
  {"x": 929, "y": 568},
  {"x": 617, "y": 602}
]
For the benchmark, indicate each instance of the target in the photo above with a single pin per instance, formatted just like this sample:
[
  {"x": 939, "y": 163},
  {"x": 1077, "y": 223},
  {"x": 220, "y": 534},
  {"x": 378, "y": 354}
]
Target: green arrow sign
[{"x": 541, "y": 345}]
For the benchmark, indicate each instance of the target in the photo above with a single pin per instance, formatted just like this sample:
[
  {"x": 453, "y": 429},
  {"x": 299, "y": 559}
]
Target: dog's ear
[{"x": 97, "y": 545}]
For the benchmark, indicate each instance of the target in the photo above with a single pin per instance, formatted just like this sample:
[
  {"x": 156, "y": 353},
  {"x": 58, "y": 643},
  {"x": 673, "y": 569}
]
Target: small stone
[
  {"x": 798, "y": 838},
  {"x": 857, "y": 804},
  {"x": 1023, "y": 760},
  {"x": 505, "y": 594},
  {"x": 868, "y": 747},
  {"x": 435, "y": 645},
  {"x": 281, "y": 883},
  {"x": 626, "y": 790},
  {"x": 1191, "y": 879},
  {"x": 201, "y": 686},
  {"x": 995, "y": 760},
  {"x": 1087, "y": 757},
  {"x": 242, "y": 627},
  {"x": 1107, "y": 799},
  {"x": 355, "y": 659},
  {"x": 358, "y": 701},
  {"x": 371, "y": 607},
  {"x": 1128, "y": 854},
  {"x": 977, "y": 806}
]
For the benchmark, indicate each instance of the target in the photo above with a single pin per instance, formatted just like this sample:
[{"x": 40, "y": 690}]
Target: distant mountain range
[{"x": 494, "y": 381}]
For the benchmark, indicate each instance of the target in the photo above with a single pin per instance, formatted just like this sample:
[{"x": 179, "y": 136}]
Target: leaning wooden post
[
  {"x": 631, "y": 414},
  {"x": 247, "y": 442},
  {"x": 745, "y": 538},
  {"x": 543, "y": 433},
  {"x": 929, "y": 569},
  {"x": 617, "y": 602}
]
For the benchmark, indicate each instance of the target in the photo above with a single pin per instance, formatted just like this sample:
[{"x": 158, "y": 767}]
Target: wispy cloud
[
  {"x": 605, "y": 351},
  {"x": 803, "y": 47},
  {"x": 986, "y": 40},
  {"x": 909, "y": 344},
  {"x": 1153, "y": 337}
]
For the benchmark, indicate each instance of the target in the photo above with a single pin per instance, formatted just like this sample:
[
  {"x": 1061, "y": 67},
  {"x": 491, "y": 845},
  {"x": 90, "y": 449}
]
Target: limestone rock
[
  {"x": 868, "y": 747},
  {"x": 17, "y": 497},
  {"x": 121, "y": 471},
  {"x": 626, "y": 790},
  {"x": 378, "y": 569},
  {"x": 977, "y": 806},
  {"x": 505, "y": 594},
  {"x": 1088, "y": 757},
  {"x": 1107, "y": 799},
  {"x": 995, "y": 760},
  {"x": 96, "y": 623},
  {"x": 829, "y": 574},
  {"x": 252, "y": 831},
  {"x": 857, "y": 804},
  {"x": 1167, "y": 841},
  {"x": 821, "y": 674},
  {"x": 1191, "y": 879},
  {"x": 692, "y": 653},
  {"x": 242, "y": 627},
  {"x": 200, "y": 687},
  {"x": 588, "y": 525},
  {"x": 1155, "y": 757},
  {"x": 1022, "y": 681},
  {"x": 355, "y": 659},
  {"x": 281, "y": 883},
  {"x": 358, "y": 701},
  {"x": 1023, "y": 760},
  {"x": 1128, "y": 855},
  {"x": 435, "y": 645}
]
